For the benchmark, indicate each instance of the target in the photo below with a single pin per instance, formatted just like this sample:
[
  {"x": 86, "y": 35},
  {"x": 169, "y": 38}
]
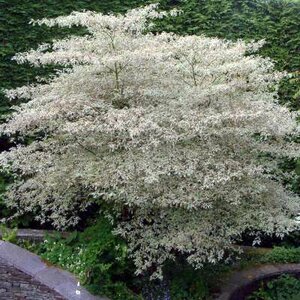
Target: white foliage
[{"x": 169, "y": 128}]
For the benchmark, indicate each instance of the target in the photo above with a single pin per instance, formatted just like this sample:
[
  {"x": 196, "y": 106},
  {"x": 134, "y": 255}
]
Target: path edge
[{"x": 62, "y": 282}]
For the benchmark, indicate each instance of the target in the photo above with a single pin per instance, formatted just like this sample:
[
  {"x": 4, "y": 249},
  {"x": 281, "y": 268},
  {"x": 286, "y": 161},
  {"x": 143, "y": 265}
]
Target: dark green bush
[
  {"x": 98, "y": 259},
  {"x": 282, "y": 255},
  {"x": 188, "y": 284},
  {"x": 285, "y": 287}
]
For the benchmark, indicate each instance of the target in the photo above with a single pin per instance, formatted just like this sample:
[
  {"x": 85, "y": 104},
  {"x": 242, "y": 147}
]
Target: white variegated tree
[{"x": 183, "y": 133}]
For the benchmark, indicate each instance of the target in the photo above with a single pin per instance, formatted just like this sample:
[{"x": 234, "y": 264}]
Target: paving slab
[
  {"x": 25, "y": 261},
  {"x": 46, "y": 278}
]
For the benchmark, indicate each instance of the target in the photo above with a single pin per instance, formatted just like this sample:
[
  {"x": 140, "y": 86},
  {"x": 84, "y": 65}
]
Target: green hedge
[{"x": 275, "y": 20}]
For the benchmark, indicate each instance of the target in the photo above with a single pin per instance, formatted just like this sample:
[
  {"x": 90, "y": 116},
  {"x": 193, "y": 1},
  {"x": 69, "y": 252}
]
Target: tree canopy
[{"x": 180, "y": 136}]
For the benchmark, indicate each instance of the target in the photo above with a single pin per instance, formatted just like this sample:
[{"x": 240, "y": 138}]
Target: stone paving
[
  {"x": 24, "y": 276},
  {"x": 35, "y": 235},
  {"x": 16, "y": 285}
]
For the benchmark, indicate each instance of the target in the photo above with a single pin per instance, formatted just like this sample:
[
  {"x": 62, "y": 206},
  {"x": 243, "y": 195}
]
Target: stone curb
[
  {"x": 58, "y": 280},
  {"x": 37, "y": 235},
  {"x": 240, "y": 281}
]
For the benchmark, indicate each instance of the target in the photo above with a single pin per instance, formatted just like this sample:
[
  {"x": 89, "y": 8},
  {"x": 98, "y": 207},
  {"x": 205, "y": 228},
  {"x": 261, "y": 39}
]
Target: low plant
[
  {"x": 188, "y": 284},
  {"x": 284, "y": 287},
  {"x": 8, "y": 234},
  {"x": 100, "y": 261},
  {"x": 282, "y": 255},
  {"x": 97, "y": 257}
]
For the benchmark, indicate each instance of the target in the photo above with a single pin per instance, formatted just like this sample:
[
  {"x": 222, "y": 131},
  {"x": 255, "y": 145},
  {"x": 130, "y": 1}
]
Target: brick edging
[
  {"x": 239, "y": 281},
  {"x": 63, "y": 282}
]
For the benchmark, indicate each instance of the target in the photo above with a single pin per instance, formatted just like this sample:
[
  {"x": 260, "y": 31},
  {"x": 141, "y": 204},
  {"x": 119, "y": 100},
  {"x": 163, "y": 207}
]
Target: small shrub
[
  {"x": 283, "y": 255},
  {"x": 284, "y": 287},
  {"x": 97, "y": 257},
  {"x": 189, "y": 285},
  {"x": 8, "y": 235}
]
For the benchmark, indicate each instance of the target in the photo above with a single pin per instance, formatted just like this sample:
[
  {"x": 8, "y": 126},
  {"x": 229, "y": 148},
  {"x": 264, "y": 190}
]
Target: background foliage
[{"x": 284, "y": 287}]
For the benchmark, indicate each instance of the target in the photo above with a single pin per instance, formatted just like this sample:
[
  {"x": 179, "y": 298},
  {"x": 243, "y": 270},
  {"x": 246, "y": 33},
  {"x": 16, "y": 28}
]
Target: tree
[{"x": 180, "y": 136}]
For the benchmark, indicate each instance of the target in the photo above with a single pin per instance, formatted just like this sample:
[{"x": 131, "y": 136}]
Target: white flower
[{"x": 77, "y": 290}]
